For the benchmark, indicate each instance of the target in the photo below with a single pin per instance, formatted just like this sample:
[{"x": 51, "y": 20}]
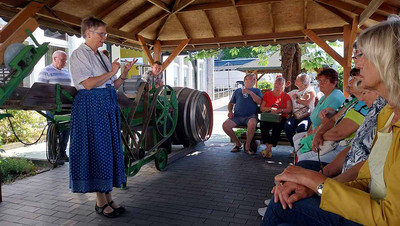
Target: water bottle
[{"x": 245, "y": 95}]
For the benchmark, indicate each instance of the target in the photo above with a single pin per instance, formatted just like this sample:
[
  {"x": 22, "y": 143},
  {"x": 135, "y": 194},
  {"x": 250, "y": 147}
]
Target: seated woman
[
  {"x": 301, "y": 97},
  {"x": 371, "y": 199},
  {"x": 276, "y": 102},
  {"x": 331, "y": 101},
  {"x": 335, "y": 134}
]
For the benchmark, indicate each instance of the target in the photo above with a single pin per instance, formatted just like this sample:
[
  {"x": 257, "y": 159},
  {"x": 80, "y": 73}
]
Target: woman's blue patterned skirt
[{"x": 96, "y": 157}]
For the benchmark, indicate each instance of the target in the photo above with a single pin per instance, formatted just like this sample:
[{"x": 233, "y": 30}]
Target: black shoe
[
  {"x": 60, "y": 162},
  {"x": 119, "y": 210},
  {"x": 100, "y": 210}
]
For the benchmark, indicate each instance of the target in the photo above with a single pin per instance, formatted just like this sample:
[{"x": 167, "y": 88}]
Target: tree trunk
[{"x": 291, "y": 63}]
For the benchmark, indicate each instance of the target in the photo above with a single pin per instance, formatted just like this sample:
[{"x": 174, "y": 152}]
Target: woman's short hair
[
  {"x": 330, "y": 74},
  {"x": 89, "y": 23},
  {"x": 305, "y": 79},
  {"x": 381, "y": 45}
]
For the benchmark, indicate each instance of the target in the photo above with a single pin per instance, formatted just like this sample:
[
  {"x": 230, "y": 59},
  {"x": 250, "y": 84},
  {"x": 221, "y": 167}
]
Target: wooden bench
[{"x": 283, "y": 140}]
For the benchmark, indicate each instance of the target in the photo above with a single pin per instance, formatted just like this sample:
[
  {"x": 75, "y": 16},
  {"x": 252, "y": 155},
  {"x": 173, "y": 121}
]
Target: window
[
  {"x": 176, "y": 74},
  {"x": 185, "y": 76},
  {"x": 56, "y": 34}
]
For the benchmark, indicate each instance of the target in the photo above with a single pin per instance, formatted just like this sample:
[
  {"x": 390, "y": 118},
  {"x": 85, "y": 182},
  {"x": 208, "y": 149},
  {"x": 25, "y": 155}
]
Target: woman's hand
[
  {"x": 316, "y": 142},
  {"x": 322, "y": 114},
  {"x": 298, "y": 175},
  {"x": 289, "y": 193},
  {"x": 128, "y": 65},
  {"x": 115, "y": 66}
]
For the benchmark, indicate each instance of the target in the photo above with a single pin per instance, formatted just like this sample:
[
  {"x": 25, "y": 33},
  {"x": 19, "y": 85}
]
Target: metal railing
[{"x": 223, "y": 91}]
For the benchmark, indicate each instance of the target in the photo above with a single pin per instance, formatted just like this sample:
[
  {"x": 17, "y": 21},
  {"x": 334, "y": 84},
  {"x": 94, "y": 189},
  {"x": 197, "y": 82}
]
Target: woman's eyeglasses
[{"x": 102, "y": 34}]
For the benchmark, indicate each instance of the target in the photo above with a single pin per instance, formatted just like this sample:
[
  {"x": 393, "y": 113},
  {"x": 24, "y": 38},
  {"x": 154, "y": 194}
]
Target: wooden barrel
[{"x": 195, "y": 116}]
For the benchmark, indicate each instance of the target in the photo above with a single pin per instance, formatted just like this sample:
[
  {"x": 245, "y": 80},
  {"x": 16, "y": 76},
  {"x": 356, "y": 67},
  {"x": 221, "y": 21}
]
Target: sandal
[
  {"x": 119, "y": 209},
  {"x": 236, "y": 149},
  {"x": 100, "y": 210},
  {"x": 266, "y": 154}
]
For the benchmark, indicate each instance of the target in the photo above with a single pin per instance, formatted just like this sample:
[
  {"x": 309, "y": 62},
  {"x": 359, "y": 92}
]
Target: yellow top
[{"x": 352, "y": 200}]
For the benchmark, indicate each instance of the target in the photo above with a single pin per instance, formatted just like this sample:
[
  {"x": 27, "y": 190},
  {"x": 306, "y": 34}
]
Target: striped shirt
[{"x": 52, "y": 75}]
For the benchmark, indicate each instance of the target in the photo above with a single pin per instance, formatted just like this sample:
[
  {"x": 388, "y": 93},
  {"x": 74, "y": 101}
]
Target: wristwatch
[{"x": 319, "y": 189}]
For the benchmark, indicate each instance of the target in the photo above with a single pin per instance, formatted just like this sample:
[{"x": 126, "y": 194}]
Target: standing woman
[
  {"x": 277, "y": 102},
  {"x": 96, "y": 158}
]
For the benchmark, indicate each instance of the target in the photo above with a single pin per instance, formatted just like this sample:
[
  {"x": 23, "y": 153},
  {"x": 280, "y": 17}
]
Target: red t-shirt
[{"x": 270, "y": 100}]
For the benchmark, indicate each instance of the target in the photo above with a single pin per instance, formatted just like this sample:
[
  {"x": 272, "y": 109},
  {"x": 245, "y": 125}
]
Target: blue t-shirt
[
  {"x": 334, "y": 100},
  {"x": 244, "y": 107}
]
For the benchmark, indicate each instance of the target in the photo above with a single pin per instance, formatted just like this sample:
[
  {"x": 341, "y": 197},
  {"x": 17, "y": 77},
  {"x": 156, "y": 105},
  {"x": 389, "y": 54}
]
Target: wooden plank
[
  {"x": 347, "y": 45},
  {"x": 224, "y": 4},
  {"x": 109, "y": 8},
  {"x": 29, "y": 11},
  {"x": 352, "y": 38},
  {"x": 257, "y": 37},
  {"x": 160, "y": 4},
  {"x": 385, "y": 7},
  {"x": 145, "y": 49},
  {"x": 157, "y": 50},
  {"x": 161, "y": 26},
  {"x": 271, "y": 16},
  {"x": 183, "y": 5},
  {"x": 131, "y": 15},
  {"x": 175, "y": 53},
  {"x": 212, "y": 28},
  {"x": 184, "y": 27},
  {"x": 321, "y": 43},
  {"x": 371, "y": 8},
  {"x": 337, "y": 12},
  {"x": 241, "y": 25},
  {"x": 351, "y": 8},
  {"x": 149, "y": 22},
  {"x": 19, "y": 35}
]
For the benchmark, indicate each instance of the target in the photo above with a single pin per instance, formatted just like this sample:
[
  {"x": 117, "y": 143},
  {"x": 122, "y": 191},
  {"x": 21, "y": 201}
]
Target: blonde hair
[{"x": 381, "y": 45}]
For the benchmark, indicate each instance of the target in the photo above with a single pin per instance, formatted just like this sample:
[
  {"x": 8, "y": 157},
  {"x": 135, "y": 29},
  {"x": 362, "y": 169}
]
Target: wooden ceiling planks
[{"x": 214, "y": 22}]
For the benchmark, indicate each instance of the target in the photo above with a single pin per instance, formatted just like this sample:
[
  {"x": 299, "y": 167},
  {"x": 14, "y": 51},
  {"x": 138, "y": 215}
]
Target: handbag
[
  {"x": 271, "y": 117},
  {"x": 302, "y": 113}
]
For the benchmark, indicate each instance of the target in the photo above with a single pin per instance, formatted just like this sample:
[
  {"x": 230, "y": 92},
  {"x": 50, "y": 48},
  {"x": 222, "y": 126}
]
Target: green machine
[{"x": 148, "y": 119}]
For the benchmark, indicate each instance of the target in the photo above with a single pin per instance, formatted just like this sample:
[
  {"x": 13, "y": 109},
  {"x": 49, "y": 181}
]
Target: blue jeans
[
  {"x": 292, "y": 126},
  {"x": 304, "y": 212}
]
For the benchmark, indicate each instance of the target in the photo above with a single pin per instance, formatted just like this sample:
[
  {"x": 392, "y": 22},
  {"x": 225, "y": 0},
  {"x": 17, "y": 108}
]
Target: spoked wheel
[
  {"x": 161, "y": 159},
  {"x": 166, "y": 111},
  {"x": 53, "y": 143}
]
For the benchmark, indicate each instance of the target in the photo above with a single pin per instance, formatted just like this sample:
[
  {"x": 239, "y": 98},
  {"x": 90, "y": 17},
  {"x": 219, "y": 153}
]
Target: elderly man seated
[{"x": 243, "y": 109}]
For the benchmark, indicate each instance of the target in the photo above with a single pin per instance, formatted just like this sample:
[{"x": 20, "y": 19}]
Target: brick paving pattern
[{"x": 210, "y": 186}]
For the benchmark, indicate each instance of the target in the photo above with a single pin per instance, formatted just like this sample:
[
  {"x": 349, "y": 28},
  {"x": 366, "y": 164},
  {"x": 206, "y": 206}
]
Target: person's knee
[
  {"x": 228, "y": 125},
  {"x": 252, "y": 123}
]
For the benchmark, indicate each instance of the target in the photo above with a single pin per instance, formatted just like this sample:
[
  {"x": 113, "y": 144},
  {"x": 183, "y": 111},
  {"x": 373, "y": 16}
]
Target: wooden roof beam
[
  {"x": 321, "y": 43},
  {"x": 160, "y": 4},
  {"x": 149, "y": 22},
  {"x": 258, "y": 37},
  {"x": 240, "y": 18},
  {"x": 215, "y": 5},
  {"x": 51, "y": 3},
  {"x": 352, "y": 37},
  {"x": 29, "y": 11},
  {"x": 145, "y": 49},
  {"x": 371, "y": 8},
  {"x": 212, "y": 28},
  {"x": 161, "y": 26},
  {"x": 384, "y": 7},
  {"x": 131, "y": 15},
  {"x": 271, "y": 16},
  {"x": 182, "y": 6},
  {"x": 109, "y": 8},
  {"x": 337, "y": 12},
  {"x": 351, "y": 8},
  {"x": 175, "y": 53},
  {"x": 305, "y": 14}
]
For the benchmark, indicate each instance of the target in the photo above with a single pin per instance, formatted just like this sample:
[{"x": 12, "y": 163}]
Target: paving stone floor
[{"x": 210, "y": 186}]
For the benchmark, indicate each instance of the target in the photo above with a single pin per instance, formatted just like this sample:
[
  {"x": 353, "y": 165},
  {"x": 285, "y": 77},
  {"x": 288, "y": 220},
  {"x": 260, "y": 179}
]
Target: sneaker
[
  {"x": 262, "y": 211},
  {"x": 266, "y": 202}
]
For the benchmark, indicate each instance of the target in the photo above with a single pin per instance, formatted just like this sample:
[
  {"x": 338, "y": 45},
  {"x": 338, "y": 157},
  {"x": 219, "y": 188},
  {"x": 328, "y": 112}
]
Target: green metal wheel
[
  {"x": 166, "y": 111},
  {"x": 132, "y": 168},
  {"x": 161, "y": 159}
]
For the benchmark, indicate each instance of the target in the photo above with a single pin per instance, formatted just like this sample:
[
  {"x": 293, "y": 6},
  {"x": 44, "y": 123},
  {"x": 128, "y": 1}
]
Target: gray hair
[
  {"x": 57, "y": 52},
  {"x": 381, "y": 45},
  {"x": 305, "y": 79},
  {"x": 248, "y": 75},
  {"x": 89, "y": 23}
]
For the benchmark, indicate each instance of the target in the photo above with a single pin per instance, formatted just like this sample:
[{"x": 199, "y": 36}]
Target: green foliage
[
  {"x": 203, "y": 54},
  {"x": 264, "y": 85},
  {"x": 28, "y": 125},
  {"x": 233, "y": 53},
  {"x": 340, "y": 78},
  {"x": 314, "y": 57},
  {"x": 265, "y": 52},
  {"x": 239, "y": 131},
  {"x": 11, "y": 168}
]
